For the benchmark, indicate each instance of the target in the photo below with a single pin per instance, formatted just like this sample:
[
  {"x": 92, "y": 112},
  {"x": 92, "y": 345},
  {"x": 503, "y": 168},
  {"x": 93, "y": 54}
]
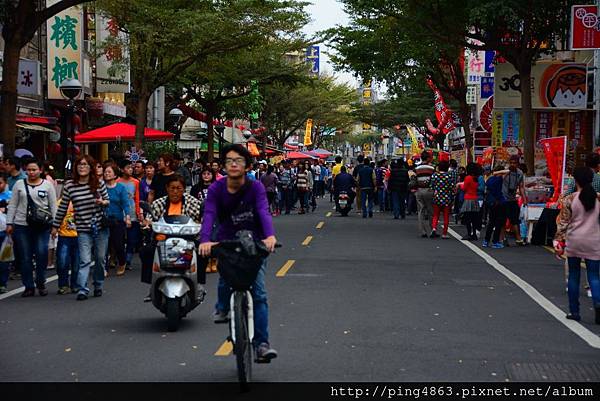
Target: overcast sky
[{"x": 327, "y": 14}]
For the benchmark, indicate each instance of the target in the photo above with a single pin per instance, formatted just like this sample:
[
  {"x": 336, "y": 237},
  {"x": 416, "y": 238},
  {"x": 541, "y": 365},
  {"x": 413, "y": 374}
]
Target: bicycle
[{"x": 240, "y": 261}]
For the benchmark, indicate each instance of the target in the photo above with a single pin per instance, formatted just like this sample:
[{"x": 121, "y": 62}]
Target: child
[
  {"x": 5, "y": 193},
  {"x": 443, "y": 185},
  {"x": 67, "y": 254}
]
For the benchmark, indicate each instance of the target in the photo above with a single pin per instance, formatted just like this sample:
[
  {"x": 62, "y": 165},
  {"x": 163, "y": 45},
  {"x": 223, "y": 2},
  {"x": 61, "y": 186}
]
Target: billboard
[
  {"x": 585, "y": 28},
  {"x": 555, "y": 86},
  {"x": 313, "y": 55},
  {"x": 111, "y": 41}
]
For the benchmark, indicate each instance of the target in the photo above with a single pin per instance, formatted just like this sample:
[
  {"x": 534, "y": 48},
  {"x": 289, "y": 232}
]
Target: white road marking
[
  {"x": 586, "y": 335},
  {"x": 21, "y": 289}
]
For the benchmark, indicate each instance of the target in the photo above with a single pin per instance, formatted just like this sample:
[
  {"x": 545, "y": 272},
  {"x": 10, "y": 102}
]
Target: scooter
[
  {"x": 343, "y": 203},
  {"x": 175, "y": 268}
]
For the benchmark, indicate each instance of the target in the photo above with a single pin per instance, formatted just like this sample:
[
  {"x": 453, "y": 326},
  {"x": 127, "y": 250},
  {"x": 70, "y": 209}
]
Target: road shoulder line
[{"x": 586, "y": 335}]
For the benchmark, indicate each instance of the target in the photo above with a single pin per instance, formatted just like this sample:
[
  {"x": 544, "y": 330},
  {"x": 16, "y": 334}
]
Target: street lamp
[
  {"x": 220, "y": 128},
  {"x": 176, "y": 114},
  {"x": 70, "y": 89}
]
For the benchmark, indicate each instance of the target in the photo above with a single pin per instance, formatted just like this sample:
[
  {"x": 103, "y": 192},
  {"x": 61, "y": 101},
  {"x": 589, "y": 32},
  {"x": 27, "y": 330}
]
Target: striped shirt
[
  {"x": 424, "y": 173},
  {"x": 84, "y": 205}
]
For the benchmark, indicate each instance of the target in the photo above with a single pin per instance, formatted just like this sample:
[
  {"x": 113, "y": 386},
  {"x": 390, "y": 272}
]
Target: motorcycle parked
[{"x": 175, "y": 268}]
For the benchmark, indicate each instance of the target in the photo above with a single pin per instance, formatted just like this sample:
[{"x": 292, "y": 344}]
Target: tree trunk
[
  {"x": 527, "y": 118},
  {"x": 8, "y": 94},
  {"x": 141, "y": 119},
  {"x": 465, "y": 117},
  {"x": 210, "y": 134}
]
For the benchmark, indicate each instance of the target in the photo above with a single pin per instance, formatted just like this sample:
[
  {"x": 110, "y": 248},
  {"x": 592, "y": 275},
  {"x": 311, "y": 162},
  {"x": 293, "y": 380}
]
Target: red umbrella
[
  {"x": 323, "y": 152},
  {"x": 299, "y": 155},
  {"x": 120, "y": 132}
]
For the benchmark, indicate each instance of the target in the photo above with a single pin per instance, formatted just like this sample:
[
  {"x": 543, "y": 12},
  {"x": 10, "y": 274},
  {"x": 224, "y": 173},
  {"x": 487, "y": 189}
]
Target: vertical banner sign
[
  {"x": 308, "y": 132},
  {"x": 487, "y": 87},
  {"x": 543, "y": 125},
  {"x": 585, "y": 28},
  {"x": 313, "y": 54},
  {"x": 28, "y": 81},
  {"x": 489, "y": 62},
  {"x": 497, "y": 128},
  {"x": 510, "y": 131},
  {"x": 555, "y": 150},
  {"x": 64, "y": 33},
  {"x": 442, "y": 113},
  {"x": 414, "y": 142},
  {"x": 111, "y": 40}
]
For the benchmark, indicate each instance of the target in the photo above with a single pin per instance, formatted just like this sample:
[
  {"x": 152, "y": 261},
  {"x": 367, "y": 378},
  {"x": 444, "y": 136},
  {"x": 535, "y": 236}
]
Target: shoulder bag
[{"x": 36, "y": 217}]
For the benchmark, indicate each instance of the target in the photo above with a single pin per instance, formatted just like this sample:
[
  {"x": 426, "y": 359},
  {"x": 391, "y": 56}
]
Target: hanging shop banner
[
  {"x": 555, "y": 150},
  {"x": 28, "y": 81},
  {"x": 585, "y": 33},
  {"x": 64, "y": 34},
  {"x": 112, "y": 67},
  {"x": 489, "y": 62},
  {"x": 543, "y": 126},
  {"x": 313, "y": 55},
  {"x": 442, "y": 112},
  {"x": 497, "y": 128},
  {"x": 487, "y": 87},
  {"x": 414, "y": 142},
  {"x": 475, "y": 60},
  {"x": 472, "y": 94},
  {"x": 308, "y": 132},
  {"x": 511, "y": 126},
  {"x": 557, "y": 86}
]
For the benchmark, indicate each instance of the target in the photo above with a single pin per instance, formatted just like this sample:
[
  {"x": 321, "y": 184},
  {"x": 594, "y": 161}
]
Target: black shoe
[
  {"x": 220, "y": 317},
  {"x": 42, "y": 290},
  {"x": 264, "y": 353},
  {"x": 424, "y": 236},
  {"x": 473, "y": 237},
  {"x": 466, "y": 238},
  {"x": 434, "y": 234},
  {"x": 98, "y": 292},
  {"x": 82, "y": 297},
  {"x": 597, "y": 312},
  {"x": 29, "y": 292},
  {"x": 370, "y": 215},
  {"x": 574, "y": 317}
]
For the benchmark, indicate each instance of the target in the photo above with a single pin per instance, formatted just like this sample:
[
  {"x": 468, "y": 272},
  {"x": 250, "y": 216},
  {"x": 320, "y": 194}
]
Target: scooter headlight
[
  {"x": 161, "y": 228},
  {"x": 189, "y": 231}
]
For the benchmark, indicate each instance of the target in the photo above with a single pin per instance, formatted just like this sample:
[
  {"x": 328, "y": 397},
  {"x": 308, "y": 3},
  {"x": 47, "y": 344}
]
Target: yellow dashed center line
[
  {"x": 307, "y": 240},
  {"x": 284, "y": 269},
  {"x": 328, "y": 214},
  {"x": 225, "y": 349},
  {"x": 320, "y": 225}
]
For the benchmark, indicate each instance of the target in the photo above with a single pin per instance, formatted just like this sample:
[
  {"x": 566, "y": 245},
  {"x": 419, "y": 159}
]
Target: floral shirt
[{"x": 443, "y": 184}]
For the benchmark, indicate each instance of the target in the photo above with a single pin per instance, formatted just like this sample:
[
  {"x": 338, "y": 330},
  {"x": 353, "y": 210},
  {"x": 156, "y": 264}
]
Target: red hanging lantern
[
  {"x": 54, "y": 148},
  {"x": 56, "y": 113},
  {"x": 77, "y": 150},
  {"x": 76, "y": 121}
]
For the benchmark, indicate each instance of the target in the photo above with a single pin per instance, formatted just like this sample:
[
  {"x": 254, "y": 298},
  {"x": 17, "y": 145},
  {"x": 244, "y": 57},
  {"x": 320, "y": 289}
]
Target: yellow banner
[
  {"x": 414, "y": 147},
  {"x": 308, "y": 133}
]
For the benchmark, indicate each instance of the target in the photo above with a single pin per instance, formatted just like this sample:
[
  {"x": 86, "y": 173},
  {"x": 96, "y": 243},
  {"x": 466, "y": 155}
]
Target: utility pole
[{"x": 596, "y": 137}]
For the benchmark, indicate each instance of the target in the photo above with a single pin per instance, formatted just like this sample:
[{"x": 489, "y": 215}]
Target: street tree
[
  {"x": 520, "y": 32},
  {"x": 168, "y": 38},
  {"x": 285, "y": 108},
  {"x": 384, "y": 42},
  {"x": 20, "y": 19}
]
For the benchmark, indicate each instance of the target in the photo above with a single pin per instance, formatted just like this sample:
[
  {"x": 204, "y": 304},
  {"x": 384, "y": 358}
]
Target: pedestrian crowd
[{"x": 94, "y": 222}]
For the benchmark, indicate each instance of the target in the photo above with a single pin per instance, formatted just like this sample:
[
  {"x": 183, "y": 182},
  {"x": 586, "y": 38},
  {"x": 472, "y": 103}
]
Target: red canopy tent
[
  {"x": 299, "y": 155},
  {"x": 120, "y": 132}
]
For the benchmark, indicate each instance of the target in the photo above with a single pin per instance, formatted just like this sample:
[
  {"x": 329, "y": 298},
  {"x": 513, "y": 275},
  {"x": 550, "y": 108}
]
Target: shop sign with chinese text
[
  {"x": 585, "y": 28},
  {"x": 112, "y": 67},
  {"x": 65, "y": 45}
]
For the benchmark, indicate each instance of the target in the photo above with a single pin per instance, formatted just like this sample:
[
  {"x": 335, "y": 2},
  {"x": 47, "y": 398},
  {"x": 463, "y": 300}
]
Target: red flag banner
[
  {"x": 555, "y": 150},
  {"x": 442, "y": 112}
]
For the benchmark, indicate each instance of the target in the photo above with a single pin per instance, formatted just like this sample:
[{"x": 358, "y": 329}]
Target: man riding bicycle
[{"x": 236, "y": 203}]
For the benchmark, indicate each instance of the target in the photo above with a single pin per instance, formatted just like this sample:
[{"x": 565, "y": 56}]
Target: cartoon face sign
[{"x": 564, "y": 86}]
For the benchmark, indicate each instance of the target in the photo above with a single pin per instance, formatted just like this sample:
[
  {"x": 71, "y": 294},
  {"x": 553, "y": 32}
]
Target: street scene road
[{"x": 350, "y": 299}]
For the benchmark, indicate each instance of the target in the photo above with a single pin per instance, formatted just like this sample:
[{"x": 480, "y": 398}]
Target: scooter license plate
[{"x": 343, "y": 203}]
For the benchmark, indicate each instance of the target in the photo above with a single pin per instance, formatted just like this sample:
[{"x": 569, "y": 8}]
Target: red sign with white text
[
  {"x": 555, "y": 150},
  {"x": 585, "y": 28}
]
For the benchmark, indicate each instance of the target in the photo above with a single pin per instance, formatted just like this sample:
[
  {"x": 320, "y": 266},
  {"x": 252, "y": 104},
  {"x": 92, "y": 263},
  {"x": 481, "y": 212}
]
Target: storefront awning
[
  {"x": 39, "y": 128},
  {"x": 121, "y": 132}
]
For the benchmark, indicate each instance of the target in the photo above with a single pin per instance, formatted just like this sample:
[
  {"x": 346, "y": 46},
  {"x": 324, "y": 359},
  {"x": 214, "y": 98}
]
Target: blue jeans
[
  {"x": 399, "y": 204},
  {"x": 67, "y": 258},
  {"x": 92, "y": 246},
  {"x": 573, "y": 284},
  {"x": 285, "y": 203},
  {"x": 382, "y": 199},
  {"x": 133, "y": 240},
  {"x": 261, "y": 308},
  {"x": 4, "y": 266},
  {"x": 366, "y": 195},
  {"x": 32, "y": 242}
]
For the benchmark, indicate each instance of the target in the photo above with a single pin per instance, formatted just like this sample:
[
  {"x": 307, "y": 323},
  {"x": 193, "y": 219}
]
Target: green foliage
[{"x": 154, "y": 149}]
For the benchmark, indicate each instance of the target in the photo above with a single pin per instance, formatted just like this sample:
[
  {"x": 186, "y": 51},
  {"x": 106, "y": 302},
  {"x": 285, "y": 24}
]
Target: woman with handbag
[
  {"x": 89, "y": 197},
  {"x": 118, "y": 213},
  {"x": 30, "y": 215}
]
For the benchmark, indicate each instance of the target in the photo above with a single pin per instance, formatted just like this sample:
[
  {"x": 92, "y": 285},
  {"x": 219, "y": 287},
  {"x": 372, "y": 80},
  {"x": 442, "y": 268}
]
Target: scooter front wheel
[{"x": 172, "y": 312}]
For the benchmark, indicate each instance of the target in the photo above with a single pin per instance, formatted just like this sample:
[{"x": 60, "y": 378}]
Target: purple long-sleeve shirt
[{"x": 240, "y": 211}]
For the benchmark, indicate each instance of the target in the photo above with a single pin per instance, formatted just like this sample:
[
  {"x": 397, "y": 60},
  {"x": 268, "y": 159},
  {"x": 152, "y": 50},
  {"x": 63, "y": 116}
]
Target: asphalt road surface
[{"x": 363, "y": 300}]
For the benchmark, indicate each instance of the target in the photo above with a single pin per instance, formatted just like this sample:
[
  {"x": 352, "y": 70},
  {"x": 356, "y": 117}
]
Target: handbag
[{"x": 36, "y": 217}]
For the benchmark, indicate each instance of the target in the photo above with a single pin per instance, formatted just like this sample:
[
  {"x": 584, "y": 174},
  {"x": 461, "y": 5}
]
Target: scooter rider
[
  {"x": 344, "y": 182},
  {"x": 177, "y": 202},
  {"x": 237, "y": 203}
]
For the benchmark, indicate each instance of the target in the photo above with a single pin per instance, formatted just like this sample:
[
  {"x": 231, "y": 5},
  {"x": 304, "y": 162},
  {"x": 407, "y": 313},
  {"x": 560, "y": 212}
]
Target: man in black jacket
[{"x": 398, "y": 187}]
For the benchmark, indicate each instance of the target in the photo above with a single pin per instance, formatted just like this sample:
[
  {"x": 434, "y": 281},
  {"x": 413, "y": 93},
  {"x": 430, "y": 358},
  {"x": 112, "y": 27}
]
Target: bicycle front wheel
[{"x": 242, "y": 346}]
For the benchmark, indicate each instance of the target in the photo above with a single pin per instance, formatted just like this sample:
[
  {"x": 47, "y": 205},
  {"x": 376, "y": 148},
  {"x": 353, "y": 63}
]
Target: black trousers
[{"x": 497, "y": 217}]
